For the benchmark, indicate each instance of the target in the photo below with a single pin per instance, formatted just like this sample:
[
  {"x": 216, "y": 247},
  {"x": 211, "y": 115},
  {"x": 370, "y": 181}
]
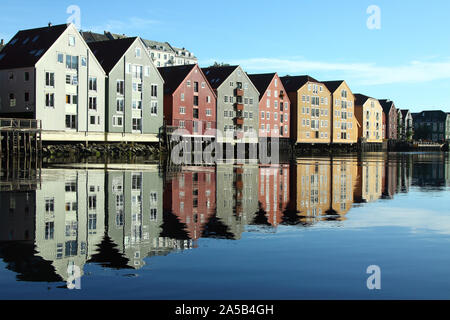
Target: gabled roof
[
  {"x": 174, "y": 76},
  {"x": 217, "y": 75},
  {"x": 404, "y": 112},
  {"x": 296, "y": 82},
  {"x": 387, "y": 105},
  {"x": 332, "y": 86},
  {"x": 108, "y": 53},
  {"x": 360, "y": 99},
  {"x": 27, "y": 47},
  {"x": 262, "y": 81}
]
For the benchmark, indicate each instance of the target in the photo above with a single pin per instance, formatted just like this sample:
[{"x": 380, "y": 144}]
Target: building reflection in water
[{"x": 117, "y": 219}]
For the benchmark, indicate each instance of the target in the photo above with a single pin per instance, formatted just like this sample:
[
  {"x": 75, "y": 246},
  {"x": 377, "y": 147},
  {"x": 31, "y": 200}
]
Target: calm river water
[{"x": 302, "y": 230}]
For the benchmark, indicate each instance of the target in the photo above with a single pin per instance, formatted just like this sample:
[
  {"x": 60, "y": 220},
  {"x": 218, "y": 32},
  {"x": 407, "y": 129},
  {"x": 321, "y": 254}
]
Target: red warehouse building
[
  {"x": 189, "y": 100},
  {"x": 274, "y": 106}
]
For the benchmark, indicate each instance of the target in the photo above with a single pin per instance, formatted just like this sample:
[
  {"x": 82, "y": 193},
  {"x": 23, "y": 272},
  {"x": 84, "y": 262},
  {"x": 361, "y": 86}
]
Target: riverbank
[{"x": 101, "y": 150}]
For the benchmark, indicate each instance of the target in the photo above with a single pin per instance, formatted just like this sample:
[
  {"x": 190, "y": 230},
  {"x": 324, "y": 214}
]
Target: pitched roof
[
  {"x": 108, "y": 53},
  {"x": 28, "y": 46},
  {"x": 404, "y": 112},
  {"x": 217, "y": 75},
  {"x": 261, "y": 81},
  {"x": 90, "y": 36},
  {"x": 387, "y": 105},
  {"x": 296, "y": 82},
  {"x": 332, "y": 86},
  {"x": 360, "y": 99},
  {"x": 174, "y": 76}
]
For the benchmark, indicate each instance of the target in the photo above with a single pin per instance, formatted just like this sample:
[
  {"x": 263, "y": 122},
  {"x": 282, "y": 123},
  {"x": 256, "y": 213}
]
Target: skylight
[
  {"x": 2, "y": 55},
  {"x": 25, "y": 41},
  {"x": 35, "y": 38},
  {"x": 39, "y": 52},
  {"x": 14, "y": 41}
]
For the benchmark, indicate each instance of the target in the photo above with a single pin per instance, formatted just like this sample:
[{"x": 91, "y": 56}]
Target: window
[
  {"x": 92, "y": 83},
  {"x": 138, "y": 52},
  {"x": 27, "y": 96},
  {"x": 182, "y": 97},
  {"x": 71, "y": 121},
  {"x": 137, "y": 104},
  {"x": 117, "y": 121},
  {"x": 27, "y": 76},
  {"x": 182, "y": 110},
  {"x": 12, "y": 100},
  {"x": 83, "y": 61},
  {"x": 50, "y": 79},
  {"x": 50, "y": 100},
  {"x": 195, "y": 86},
  {"x": 262, "y": 115},
  {"x": 120, "y": 105},
  {"x": 154, "y": 90},
  {"x": 93, "y": 103},
  {"x": 188, "y": 83},
  {"x": 92, "y": 120},
  {"x": 208, "y": 112},
  {"x": 137, "y": 124},
  {"x": 196, "y": 101},
  {"x": 154, "y": 108},
  {"x": 71, "y": 62},
  {"x": 71, "y": 41},
  {"x": 208, "y": 99},
  {"x": 120, "y": 87}
]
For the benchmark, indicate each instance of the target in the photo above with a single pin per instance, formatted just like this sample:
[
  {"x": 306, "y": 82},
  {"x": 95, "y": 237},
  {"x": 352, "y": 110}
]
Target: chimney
[
  {"x": 49, "y": 24},
  {"x": 2, "y": 42}
]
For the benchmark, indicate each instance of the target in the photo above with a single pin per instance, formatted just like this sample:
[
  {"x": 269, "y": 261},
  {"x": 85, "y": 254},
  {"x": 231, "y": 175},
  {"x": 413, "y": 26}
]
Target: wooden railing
[{"x": 20, "y": 124}]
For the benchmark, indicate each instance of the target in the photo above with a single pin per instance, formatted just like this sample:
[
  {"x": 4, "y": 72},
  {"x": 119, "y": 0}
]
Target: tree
[{"x": 221, "y": 64}]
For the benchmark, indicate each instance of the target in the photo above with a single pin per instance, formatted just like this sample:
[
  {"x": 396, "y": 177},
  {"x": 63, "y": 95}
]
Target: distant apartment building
[
  {"x": 344, "y": 128},
  {"x": 432, "y": 126},
  {"x": 405, "y": 126},
  {"x": 163, "y": 54},
  {"x": 134, "y": 99},
  {"x": 391, "y": 113},
  {"x": 310, "y": 109},
  {"x": 189, "y": 100},
  {"x": 369, "y": 114},
  {"x": 50, "y": 74},
  {"x": 274, "y": 106},
  {"x": 237, "y": 104}
]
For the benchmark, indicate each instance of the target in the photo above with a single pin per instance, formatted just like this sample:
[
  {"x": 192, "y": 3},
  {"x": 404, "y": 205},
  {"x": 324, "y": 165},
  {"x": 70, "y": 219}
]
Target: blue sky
[{"x": 407, "y": 60}]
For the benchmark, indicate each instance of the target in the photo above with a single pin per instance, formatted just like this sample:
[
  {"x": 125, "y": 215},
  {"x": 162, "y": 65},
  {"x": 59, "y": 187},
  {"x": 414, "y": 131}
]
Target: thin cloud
[
  {"x": 123, "y": 26},
  {"x": 361, "y": 73}
]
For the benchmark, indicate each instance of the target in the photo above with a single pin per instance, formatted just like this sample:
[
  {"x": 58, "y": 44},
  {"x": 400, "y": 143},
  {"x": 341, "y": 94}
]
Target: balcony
[
  {"x": 239, "y": 92},
  {"x": 239, "y": 121},
  {"x": 240, "y": 106},
  {"x": 281, "y": 95}
]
